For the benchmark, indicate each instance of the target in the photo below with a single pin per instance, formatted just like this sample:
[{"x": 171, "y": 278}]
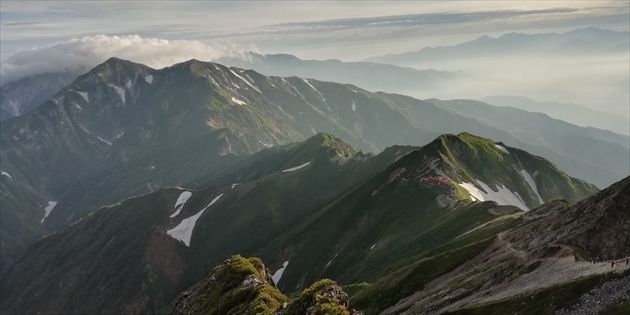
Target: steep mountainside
[
  {"x": 418, "y": 207},
  {"x": 155, "y": 248},
  {"x": 124, "y": 129},
  {"x": 548, "y": 257},
  {"x": 280, "y": 203}
]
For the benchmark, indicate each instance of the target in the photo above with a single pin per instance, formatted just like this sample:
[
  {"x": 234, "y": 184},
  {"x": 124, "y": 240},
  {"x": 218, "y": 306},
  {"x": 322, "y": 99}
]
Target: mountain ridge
[
  {"x": 171, "y": 237},
  {"x": 541, "y": 254},
  {"x": 124, "y": 129},
  {"x": 580, "y": 40}
]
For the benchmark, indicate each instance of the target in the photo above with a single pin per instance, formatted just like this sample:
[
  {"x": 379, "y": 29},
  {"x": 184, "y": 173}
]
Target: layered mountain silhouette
[
  {"x": 145, "y": 180},
  {"x": 124, "y": 129},
  {"x": 589, "y": 40},
  {"x": 390, "y": 78},
  {"x": 569, "y": 112},
  {"x": 383, "y": 212}
]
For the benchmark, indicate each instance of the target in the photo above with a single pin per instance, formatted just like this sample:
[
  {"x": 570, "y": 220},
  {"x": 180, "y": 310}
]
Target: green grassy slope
[{"x": 396, "y": 216}]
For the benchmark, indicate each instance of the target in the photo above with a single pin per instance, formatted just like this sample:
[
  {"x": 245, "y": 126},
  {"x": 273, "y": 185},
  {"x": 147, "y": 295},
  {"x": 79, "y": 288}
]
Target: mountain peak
[
  {"x": 193, "y": 62},
  {"x": 461, "y": 158},
  {"x": 592, "y": 30},
  {"x": 194, "y": 65},
  {"x": 117, "y": 63},
  {"x": 478, "y": 168},
  {"x": 334, "y": 144},
  {"x": 471, "y": 144},
  {"x": 115, "y": 60},
  {"x": 117, "y": 68}
]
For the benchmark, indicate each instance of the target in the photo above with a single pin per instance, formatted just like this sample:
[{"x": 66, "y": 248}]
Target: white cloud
[{"x": 80, "y": 54}]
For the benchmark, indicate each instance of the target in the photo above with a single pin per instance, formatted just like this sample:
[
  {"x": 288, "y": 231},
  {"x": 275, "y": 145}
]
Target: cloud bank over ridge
[{"x": 80, "y": 54}]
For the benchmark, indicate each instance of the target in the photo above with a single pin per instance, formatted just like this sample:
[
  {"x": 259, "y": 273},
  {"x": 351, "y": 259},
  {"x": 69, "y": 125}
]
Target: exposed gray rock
[{"x": 609, "y": 293}]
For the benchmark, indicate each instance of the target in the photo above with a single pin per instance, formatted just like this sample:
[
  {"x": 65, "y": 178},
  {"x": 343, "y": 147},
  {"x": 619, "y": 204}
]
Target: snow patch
[
  {"x": 237, "y": 101},
  {"x": 179, "y": 204},
  {"x": 246, "y": 81},
  {"x": 296, "y": 167},
  {"x": 314, "y": 89},
  {"x": 84, "y": 130},
  {"x": 49, "y": 208},
  {"x": 234, "y": 185},
  {"x": 103, "y": 140},
  {"x": 532, "y": 184},
  {"x": 372, "y": 247},
  {"x": 120, "y": 91},
  {"x": 285, "y": 113},
  {"x": 267, "y": 145},
  {"x": 354, "y": 106},
  {"x": 502, "y": 148},
  {"x": 278, "y": 274},
  {"x": 3, "y": 173},
  {"x": 183, "y": 231},
  {"x": 502, "y": 196},
  {"x": 129, "y": 84},
  {"x": 148, "y": 79},
  {"x": 331, "y": 260},
  {"x": 85, "y": 96},
  {"x": 292, "y": 88}
]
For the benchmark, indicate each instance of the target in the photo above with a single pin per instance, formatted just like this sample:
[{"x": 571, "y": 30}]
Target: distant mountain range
[
  {"x": 383, "y": 212},
  {"x": 23, "y": 95},
  {"x": 390, "y": 78},
  {"x": 590, "y": 40},
  {"x": 124, "y": 129},
  {"x": 397, "y": 75},
  {"x": 572, "y": 113}
]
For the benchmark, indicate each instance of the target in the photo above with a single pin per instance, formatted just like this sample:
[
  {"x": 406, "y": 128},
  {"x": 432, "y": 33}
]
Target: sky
[{"x": 347, "y": 30}]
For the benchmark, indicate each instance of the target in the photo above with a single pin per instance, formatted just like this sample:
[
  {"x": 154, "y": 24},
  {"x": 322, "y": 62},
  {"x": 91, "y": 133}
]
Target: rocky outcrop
[
  {"x": 322, "y": 297},
  {"x": 594, "y": 228},
  {"x": 244, "y": 286},
  {"x": 238, "y": 286},
  {"x": 611, "y": 293}
]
